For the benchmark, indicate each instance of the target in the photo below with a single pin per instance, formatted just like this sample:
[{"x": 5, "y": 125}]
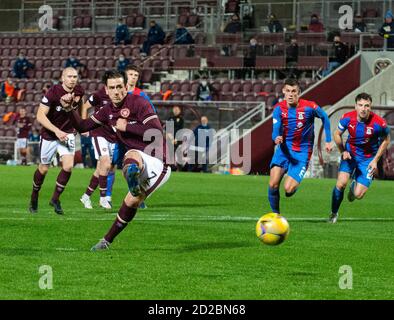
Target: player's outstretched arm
[
  {"x": 46, "y": 123},
  {"x": 326, "y": 123},
  {"x": 82, "y": 125},
  {"x": 136, "y": 128}
]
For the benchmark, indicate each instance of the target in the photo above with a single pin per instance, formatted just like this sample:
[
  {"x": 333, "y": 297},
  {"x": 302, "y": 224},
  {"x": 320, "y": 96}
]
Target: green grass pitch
[{"x": 196, "y": 240}]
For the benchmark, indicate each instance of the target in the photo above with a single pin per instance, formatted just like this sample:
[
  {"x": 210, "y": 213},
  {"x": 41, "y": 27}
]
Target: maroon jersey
[
  {"x": 99, "y": 100},
  {"x": 23, "y": 127},
  {"x": 140, "y": 117},
  {"x": 56, "y": 115}
]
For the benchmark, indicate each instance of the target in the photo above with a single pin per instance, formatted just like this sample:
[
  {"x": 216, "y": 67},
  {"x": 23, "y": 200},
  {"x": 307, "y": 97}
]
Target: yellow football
[{"x": 272, "y": 229}]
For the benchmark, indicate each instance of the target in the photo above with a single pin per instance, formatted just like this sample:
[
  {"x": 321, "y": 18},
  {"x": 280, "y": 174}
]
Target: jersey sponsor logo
[
  {"x": 45, "y": 100},
  {"x": 299, "y": 125},
  {"x": 125, "y": 112},
  {"x": 301, "y": 115},
  {"x": 302, "y": 172}
]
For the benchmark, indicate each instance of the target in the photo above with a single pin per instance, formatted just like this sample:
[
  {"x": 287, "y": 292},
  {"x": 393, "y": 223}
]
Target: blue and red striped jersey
[
  {"x": 139, "y": 92},
  {"x": 296, "y": 125},
  {"x": 364, "y": 137}
]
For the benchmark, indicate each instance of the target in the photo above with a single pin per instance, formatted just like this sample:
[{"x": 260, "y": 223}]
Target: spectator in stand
[
  {"x": 359, "y": 25},
  {"x": 250, "y": 55},
  {"x": 21, "y": 66},
  {"x": 315, "y": 25},
  {"x": 292, "y": 59},
  {"x": 177, "y": 124},
  {"x": 122, "y": 63},
  {"x": 156, "y": 35},
  {"x": 182, "y": 36},
  {"x": 122, "y": 33},
  {"x": 205, "y": 90},
  {"x": 340, "y": 56},
  {"x": 274, "y": 25},
  {"x": 234, "y": 25},
  {"x": 73, "y": 62},
  {"x": 203, "y": 137},
  {"x": 387, "y": 29},
  {"x": 9, "y": 91}
]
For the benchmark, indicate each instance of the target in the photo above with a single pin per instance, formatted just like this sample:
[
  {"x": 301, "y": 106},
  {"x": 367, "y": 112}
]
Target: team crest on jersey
[
  {"x": 369, "y": 130},
  {"x": 125, "y": 112},
  {"x": 58, "y": 108},
  {"x": 301, "y": 115},
  {"x": 111, "y": 116}
]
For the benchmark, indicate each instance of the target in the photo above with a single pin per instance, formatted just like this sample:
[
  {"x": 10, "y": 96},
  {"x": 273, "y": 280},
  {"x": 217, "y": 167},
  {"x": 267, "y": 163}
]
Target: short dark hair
[
  {"x": 292, "y": 82},
  {"x": 113, "y": 74},
  {"x": 133, "y": 67},
  {"x": 363, "y": 96}
]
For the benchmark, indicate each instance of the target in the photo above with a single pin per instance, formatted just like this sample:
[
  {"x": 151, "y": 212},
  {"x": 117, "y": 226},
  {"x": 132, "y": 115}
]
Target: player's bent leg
[
  {"x": 38, "y": 180},
  {"x": 276, "y": 175},
  {"x": 125, "y": 214},
  {"x": 337, "y": 195},
  {"x": 290, "y": 186},
  {"x": 359, "y": 191},
  {"x": 132, "y": 167},
  {"x": 61, "y": 182}
]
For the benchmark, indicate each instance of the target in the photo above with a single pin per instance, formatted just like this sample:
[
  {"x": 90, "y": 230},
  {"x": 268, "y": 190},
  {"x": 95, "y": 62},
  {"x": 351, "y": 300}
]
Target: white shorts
[
  {"x": 21, "y": 143},
  {"x": 154, "y": 173},
  {"x": 102, "y": 147},
  {"x": 48, "y": 148}
]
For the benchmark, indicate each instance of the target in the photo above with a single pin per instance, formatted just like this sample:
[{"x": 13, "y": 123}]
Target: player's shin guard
[
  {"x": 38, "y": 180},
  {"x": 94, "y": 182},
  {"x": 61, "y": 183},
  {"x": 103, "y": 185},
  {"x": 273, "y": 197},
  {"x": 125, "y": 215},
  {"x": 110, "y": 183},
  {"x": 336, "y": 200}
]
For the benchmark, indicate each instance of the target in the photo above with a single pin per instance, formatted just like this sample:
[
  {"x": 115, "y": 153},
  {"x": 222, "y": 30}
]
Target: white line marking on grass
[
  {"x": 65, "y": 249},
  {"x": 153, "y": 217}
]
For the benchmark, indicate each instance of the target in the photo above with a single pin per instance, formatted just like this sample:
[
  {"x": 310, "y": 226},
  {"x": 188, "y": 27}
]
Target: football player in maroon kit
[
  {"x": 133, "y": 119},
  {"x": 57, "y": 135},
  {"x": 23, "y": 124}
]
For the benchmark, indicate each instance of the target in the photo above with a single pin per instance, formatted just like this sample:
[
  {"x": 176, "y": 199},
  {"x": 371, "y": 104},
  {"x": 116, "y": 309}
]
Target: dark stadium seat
[
  {"x": 258, "y": 87},
  {"x": 226, "y": 87},
  {"x": 139, "y": 21},
  {"x": 185, "y": 87},
  {"x": 186, "y": 63},
  {"x": 270, "y": 63},
  {"x": 193, "y": 20},
  {"x": 176, "y": 86},
  {"x": 146, "y": 75},
  {"x": 29, "y": 85},
  {"x": 236, "y": 86},
  {"x": 226, "y": 62},
  {"x": 78, "y": 22},
  {"x": 247, "y": 87},
  {"x": 193, "y": 87},
  {"x": 166, "y": 85},
  {"x": 278, "y": 87},
  {"x": 312, "y": 63}
]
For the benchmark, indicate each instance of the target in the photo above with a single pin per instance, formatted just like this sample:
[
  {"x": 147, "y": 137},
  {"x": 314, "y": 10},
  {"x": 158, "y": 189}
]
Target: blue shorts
[
  {"x": 119, "y": 152},
  {"x": 294, "y": 163},
  {"x": 359, "y": 170}
]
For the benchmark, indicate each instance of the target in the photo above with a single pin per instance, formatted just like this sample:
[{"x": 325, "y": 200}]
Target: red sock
[
  {"x": 103, "y": 185},
  {"x": 61, "y": 183},
  {"x": 94, "y": 182},
  {"x": 38, "y": 180},
  {"x": 125, "y": 215}
]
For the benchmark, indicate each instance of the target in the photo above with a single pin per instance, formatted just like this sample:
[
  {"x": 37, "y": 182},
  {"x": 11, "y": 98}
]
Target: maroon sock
[
  {"x": 126, "y": 163},
  {"x": 125, "y": 215},
  {"x": 61, "y": 183},
  {"x": 38, "y": 180},
  {"x": 103, "y": 185},
  {"x": 94, "y": 182}
]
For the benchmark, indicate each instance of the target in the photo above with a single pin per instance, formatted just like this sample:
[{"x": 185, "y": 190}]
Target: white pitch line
[{"x": 186, "y": 218}]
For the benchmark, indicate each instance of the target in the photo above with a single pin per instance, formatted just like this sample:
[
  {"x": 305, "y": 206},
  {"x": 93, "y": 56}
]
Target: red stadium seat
[
  {"x": 87, "y": 22},
  {"x": 236, "y": 86}
]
